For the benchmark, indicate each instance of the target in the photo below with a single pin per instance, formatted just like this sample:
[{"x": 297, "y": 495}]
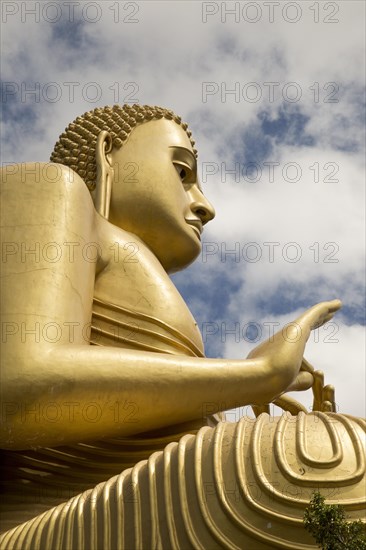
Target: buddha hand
[{"x": 284, "y": 351}]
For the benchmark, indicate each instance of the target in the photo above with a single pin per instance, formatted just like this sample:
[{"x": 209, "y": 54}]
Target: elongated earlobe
[{"x": 104, "y": 174}]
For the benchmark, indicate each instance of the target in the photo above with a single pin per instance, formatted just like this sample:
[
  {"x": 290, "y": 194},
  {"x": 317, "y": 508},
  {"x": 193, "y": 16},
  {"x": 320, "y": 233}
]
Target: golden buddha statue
[{"x": 105, "y": 442}]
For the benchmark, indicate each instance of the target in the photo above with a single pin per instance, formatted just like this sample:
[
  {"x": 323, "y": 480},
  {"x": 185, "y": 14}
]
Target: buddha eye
[
  {"x": 181, "y": 171},
  {"x": 184, "y": 173}
]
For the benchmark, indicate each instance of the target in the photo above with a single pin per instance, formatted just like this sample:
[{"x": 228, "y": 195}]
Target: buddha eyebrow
[{"x": 187, "y": 152}]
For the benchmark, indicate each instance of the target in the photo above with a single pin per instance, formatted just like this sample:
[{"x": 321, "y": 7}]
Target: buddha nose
[{"x": 202, "y": 207}]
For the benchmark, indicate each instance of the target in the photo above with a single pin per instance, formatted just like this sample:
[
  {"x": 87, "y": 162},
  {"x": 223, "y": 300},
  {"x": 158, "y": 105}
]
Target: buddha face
[{"x": 156, "y": 194}]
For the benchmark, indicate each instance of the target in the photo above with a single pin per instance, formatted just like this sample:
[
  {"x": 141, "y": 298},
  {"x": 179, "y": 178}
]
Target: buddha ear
[{"x": 105, "y": 174}]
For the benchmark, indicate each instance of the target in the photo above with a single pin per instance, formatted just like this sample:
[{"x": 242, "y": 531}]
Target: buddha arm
[
  {"x": 66, "y": 393},
  {"x": 76, "y": 393}
]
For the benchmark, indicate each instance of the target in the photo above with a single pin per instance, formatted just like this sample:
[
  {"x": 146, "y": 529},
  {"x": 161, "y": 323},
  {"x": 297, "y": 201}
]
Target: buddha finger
[
  {"x": 303, "y": 381},
  {"x": 317, "y": 388},
  {"x": 329, "y": 395}
]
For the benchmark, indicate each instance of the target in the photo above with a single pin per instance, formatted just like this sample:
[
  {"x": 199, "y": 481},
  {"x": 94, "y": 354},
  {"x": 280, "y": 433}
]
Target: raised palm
[{"x": 284, "y": 352}]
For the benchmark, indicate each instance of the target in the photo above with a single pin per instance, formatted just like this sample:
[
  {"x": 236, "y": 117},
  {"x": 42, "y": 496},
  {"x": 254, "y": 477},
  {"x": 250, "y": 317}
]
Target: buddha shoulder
[
  {"x": 34, "y": 191},
  {"x": 42, "y": 173}
]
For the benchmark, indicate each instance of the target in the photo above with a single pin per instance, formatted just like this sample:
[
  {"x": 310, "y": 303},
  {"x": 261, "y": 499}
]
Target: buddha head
[{"x": 139, "y": 164}]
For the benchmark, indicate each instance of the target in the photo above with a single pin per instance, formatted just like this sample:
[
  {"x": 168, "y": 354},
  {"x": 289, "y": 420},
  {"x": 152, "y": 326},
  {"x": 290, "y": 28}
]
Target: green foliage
[{"x": 327, "y": 524}]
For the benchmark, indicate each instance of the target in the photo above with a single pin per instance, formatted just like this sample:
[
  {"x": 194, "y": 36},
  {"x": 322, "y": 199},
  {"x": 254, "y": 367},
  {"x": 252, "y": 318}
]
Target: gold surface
[
  {"x": 92, "y": 324},
  {"x": 239, "y": 486}
]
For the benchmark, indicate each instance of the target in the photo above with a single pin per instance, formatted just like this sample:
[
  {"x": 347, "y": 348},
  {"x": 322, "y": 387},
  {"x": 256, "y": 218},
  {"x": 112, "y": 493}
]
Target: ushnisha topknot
[{"x": 77, "y": 144}]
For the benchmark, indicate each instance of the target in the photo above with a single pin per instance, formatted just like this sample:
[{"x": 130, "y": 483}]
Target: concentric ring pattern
[{"x": 238, "y": 486}]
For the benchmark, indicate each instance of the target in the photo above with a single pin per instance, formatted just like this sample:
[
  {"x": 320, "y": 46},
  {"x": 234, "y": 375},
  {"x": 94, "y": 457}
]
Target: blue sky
[{"x": 276, "y": 108}]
